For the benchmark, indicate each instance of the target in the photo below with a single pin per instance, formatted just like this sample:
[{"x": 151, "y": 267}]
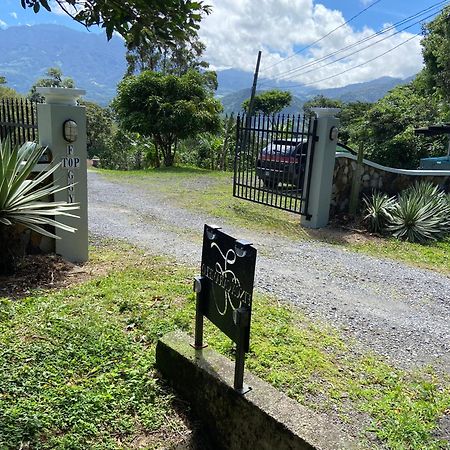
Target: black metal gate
[
  {"x": 274, "y": 155},
  {"x": 18, "y": 120}
]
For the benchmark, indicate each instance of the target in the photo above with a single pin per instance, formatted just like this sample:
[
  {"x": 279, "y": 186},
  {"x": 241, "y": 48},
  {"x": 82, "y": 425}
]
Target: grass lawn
[
  {"x": 76, "y": 365},
  {"x": 211, "y": 192}
]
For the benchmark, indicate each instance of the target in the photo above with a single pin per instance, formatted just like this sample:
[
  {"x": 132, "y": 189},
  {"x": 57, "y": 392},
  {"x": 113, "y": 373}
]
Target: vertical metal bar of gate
[{"x": 313, "y": 138}]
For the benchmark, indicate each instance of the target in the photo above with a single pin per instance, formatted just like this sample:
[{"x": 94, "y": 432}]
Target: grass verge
[
  {"x": 211, "y": 193},
  {"x": 76, "y": 366}
]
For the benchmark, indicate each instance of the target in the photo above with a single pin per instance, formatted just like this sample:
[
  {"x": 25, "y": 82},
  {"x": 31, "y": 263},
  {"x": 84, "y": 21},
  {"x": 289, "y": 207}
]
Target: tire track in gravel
[{"x": 388, "y": 307}]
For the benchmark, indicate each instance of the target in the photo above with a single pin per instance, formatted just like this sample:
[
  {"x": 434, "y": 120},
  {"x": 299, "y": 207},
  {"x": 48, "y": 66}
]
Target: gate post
[
  {"x": 62, "y": 128},
  {"x": 321, "y": 172}
]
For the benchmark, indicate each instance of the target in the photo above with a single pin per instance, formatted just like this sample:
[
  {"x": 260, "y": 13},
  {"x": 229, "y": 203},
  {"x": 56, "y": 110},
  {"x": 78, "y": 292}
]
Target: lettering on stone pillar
[{"x": 70, "y": 162}]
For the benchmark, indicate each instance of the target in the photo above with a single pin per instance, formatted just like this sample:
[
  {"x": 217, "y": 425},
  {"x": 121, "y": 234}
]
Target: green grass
[
  {"x": 77, "y": 366},
  {"x": 211, "y": 193}
]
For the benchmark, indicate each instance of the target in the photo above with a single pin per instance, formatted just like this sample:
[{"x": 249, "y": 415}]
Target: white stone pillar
[
  {"x": 70, "y": 149},
  {"x": 322, "y": 168}
]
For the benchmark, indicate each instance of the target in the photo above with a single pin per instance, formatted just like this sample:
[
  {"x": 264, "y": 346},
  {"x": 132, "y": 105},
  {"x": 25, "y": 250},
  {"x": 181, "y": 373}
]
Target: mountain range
[{"x": 26, "y": 52}]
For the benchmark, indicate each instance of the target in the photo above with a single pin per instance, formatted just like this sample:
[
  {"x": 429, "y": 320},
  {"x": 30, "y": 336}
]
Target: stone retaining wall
[{"x": 376, "y": 177}]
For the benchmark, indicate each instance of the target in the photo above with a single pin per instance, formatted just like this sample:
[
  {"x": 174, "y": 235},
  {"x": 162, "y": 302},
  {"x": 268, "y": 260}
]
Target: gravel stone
[{"x": 387, "y": 307}]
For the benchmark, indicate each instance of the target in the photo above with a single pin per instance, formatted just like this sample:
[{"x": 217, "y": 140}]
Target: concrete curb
[{"x": 263, "y": 419}]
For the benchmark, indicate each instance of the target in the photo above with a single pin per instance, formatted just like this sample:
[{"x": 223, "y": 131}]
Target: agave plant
[
  {"x": 24, "y": 200},
  {"x": 379, "y": 208},
  {"x": 421, "y": 214}
]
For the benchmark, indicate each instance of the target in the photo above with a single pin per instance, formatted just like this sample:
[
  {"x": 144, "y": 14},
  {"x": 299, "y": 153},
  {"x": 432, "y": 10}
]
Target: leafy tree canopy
[
  {"x": 269, "y": 102},
  {"x": 136, "y": 20},
  {"x": 320, "y": 101},
  {"x": 54, "y": 78},
  {"x": 436, "y": 55},
  {"x": 387, "y": 130},
  {"x": 5, "y": 91},
  {"x": 99, "y": 127},
  {"x": 167, "y": 108},
  {"x": 175, "y": 57}
]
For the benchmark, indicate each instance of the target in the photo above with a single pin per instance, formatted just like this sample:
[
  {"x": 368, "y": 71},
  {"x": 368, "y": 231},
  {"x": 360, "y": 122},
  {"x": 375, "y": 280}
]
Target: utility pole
[{"x": 255, "y": 82}]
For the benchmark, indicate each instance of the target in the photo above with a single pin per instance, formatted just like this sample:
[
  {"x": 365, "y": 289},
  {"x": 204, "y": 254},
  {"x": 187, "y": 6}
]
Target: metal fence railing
[
  {"x": 18, "y": 120},
  {"x": 272, "y": 160}
]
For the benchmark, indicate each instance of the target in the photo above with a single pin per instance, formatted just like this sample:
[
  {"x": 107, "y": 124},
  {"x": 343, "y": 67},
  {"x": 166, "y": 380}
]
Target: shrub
[
  {"x": 379, "y": 210},
  {"x": 422, "y": 213},
  {"x": 24, "y": 201}
]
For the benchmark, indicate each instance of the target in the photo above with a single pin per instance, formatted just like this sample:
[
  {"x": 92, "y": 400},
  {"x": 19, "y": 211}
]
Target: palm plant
[
  {"x": 421, "y": 214},
  {"x": 379, "y": 208},
  {"x": 24, "y": 201}
]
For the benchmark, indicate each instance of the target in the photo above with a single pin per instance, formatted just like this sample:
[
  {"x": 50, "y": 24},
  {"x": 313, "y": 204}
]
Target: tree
[
  {"x": 352, "y": 121},
  {"x": 436, "y": 55},
  {"x": 99, "y": 126},
  {"x": 320, "y": 101},
  {"x": 54, "y": 79},
  {"x": 135, "y": 20},
  {"x": 5, "y": 91},
  {"x": 167, "y": 108},
  {"x": 269, "y": 102},
  {"x": 387, "y": 134},
  {"x": 171, "y": 58}
]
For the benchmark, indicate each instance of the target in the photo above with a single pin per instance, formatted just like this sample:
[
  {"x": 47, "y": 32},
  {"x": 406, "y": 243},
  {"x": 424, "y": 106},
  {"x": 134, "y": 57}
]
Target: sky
[{"x": 292, "y": 35}]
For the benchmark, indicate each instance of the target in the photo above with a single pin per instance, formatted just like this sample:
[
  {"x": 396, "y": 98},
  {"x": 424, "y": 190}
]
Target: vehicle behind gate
[{"x": 282, "y": 161}]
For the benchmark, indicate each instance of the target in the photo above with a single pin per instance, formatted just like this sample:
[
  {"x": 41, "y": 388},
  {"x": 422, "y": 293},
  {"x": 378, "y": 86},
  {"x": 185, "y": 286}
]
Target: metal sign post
[{"x": 225, "y": 292}]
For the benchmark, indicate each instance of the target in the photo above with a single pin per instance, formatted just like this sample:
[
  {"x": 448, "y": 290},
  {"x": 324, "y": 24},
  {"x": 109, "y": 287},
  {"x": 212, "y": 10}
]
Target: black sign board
[{"x": 226, "y": 290}]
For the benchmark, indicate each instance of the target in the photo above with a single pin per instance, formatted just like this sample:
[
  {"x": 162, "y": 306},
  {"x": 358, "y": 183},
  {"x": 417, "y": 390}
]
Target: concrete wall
[
  {"x": 375, "y": 176},
  {"x": 262, "y": 419}
]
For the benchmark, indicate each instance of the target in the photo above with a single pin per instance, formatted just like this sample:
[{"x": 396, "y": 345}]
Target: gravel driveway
[{"x": 388, "y": 307}]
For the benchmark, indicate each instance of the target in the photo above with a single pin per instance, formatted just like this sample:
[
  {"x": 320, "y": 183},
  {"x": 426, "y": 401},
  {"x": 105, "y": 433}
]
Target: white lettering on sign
[{"x": 71, "y": 162}]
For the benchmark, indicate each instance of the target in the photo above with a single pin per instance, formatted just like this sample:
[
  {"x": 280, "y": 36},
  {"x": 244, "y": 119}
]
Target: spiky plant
[
  {"x": 421, "y": 214},
  {"x": 24, "y": 200},
  {"x": 378, "y": 210}
]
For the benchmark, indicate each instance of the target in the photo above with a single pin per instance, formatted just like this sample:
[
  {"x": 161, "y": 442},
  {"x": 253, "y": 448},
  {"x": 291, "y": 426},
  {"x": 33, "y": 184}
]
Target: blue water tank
[{"x": 438, "y": 163}]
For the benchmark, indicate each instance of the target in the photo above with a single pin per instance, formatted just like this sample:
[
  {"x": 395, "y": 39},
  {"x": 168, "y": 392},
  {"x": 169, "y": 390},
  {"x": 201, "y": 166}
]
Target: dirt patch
[
  {"x": 344, "y": 235},
  {"x": 48, "y": 272}
]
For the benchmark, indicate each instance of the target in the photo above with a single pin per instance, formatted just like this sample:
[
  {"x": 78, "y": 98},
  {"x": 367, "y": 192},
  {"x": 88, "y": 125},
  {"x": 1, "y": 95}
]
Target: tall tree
[
  {"x": 269, "y": 102},
  {"x": 167, "y": 108},
  {"x": 387, "y": 129},
  {"x": 170, "y": 58},
  {"x": 54, "y": 78},
  {"x": 320, "y": 101},
  {"x": 5, "y": 91},
  {"x": 136, "y": 20},
  {"x": 436, "y": 55}
]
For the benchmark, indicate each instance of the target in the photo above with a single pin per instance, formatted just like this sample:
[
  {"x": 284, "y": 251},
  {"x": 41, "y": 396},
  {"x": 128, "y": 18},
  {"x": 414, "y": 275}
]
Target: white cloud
[
  {"x": 3, "y": 24},
  {"x": 237, "y": 29},
  {"x": 59, "y": 11},
  {"x": 13, "y": 15}
]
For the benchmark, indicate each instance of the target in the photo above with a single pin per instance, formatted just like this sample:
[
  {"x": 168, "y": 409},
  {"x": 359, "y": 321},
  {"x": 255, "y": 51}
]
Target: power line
[
  {"x": 378, "y": 33},
  {"x": 323, "y": 37},
  {"x": 353, "y": 68},
  {"x": 300, "y": 70}
]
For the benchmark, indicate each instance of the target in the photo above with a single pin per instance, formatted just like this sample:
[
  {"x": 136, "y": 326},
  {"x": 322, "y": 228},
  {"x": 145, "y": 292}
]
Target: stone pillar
[
  {"x": 322, "y": 168},
  {"x": 68, "y": 147}
]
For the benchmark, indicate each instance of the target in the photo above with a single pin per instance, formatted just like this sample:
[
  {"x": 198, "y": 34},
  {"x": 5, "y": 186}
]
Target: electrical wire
[
  {"x": 323, "y": 37},
  {"x": 352, "y": 68},
  {"x": 356, "y": 44},
  {"x": 299, "y": 71}
]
